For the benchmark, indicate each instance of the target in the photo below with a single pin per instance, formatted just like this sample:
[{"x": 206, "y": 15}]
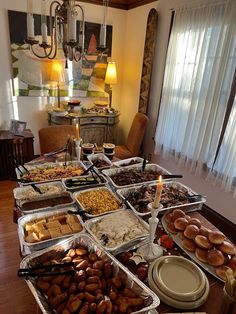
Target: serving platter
[
  {"x": 177, "y": 239},
  {"x": 138, "y": 193},
  {"x": 151, "y": 299},
  {"x": 114, "y": 236},
  {"x": 98, "y": 198},
  {"x": 129, "y": 162},
  {"x": 136, "y": 174},
  {"x": 27, "y": 247},
  {"x": 47, "y": 172}
]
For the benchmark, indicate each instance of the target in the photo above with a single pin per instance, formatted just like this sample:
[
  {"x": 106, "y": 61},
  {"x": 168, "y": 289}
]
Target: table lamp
[
  {"x": 57, "y": 75},
  {"x": 111, "y": 78}
]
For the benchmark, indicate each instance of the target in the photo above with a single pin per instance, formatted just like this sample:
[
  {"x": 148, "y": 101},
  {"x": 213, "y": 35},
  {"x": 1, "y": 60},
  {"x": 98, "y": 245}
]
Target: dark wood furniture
[{"x": 21, "y": 147}]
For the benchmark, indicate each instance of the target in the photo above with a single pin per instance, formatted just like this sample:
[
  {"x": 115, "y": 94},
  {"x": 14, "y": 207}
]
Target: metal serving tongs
[
  {"x": 47, "y": 270},
  {"x": 18, "y": 165}
]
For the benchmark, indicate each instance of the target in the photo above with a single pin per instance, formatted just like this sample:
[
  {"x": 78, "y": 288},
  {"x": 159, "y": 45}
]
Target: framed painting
[{"x": 30, "y": 74}]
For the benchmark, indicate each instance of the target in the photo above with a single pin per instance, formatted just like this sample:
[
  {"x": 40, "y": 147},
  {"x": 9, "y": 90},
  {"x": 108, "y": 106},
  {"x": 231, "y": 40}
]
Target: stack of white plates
[{"x": 178, "y": 282}]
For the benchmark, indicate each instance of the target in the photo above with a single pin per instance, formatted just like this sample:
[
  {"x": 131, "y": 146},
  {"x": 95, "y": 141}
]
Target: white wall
[{"x": 32, "y": 109}]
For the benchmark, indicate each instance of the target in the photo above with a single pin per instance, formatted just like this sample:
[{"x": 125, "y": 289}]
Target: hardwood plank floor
[{"x": 15, "y": 296}]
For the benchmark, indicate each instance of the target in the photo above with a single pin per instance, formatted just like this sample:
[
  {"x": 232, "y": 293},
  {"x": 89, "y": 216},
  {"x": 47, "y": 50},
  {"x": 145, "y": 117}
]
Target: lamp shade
[
  {"x": 57, "y": 72},
  {"x": 111, "y": 77}
]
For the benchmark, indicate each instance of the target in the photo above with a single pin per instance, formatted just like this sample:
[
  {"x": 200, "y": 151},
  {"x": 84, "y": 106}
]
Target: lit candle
[
  {"x": 77, "y": 131},
  {"x": 159, "y": 189}
]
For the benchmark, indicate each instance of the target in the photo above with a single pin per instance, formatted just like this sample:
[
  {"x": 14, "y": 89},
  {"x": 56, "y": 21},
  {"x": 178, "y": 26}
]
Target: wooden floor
[{"x": 15, "y": 296}]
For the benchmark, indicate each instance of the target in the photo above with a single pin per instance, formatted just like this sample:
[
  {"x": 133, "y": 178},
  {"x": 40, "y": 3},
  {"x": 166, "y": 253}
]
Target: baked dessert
[
  {"x": 215, "y": 257},
  {"x": 188, "y": 244},
  {"x": 204, "y": 231},
  {"x": 181, "y": 223},
  {"x": 203, "y": 242},
  {"x": 177, "y": 213},
  {"x": 201, "y": 255},
  {"x": 191, "y": 231},
  {"x": 171, "y": 228},
  {"x": 221, "y": 271},
  {"x": 227, "y": 248},
  {"x": 216, "y": 237},
  {"x": 195, "y": 221}
]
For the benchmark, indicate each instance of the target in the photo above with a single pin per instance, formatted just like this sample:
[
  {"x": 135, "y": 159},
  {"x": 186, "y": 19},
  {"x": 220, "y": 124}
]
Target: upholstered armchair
[
  {"x": 54, "y": 137},
  {"x": 132, "y": 146}
]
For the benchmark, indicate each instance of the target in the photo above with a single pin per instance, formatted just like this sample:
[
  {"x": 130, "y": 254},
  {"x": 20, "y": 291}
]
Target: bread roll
[
  {"x": 221, "y": 271},
  {"x": 188, "y": 244},
  {"x": 215, "y": 257},
  {"x": 191, "y": 231},
  {"x": 177, "y": 213},
  {"x": 232, "y": 263},
  {"x": 201, "y": 255},
  {"x": 203, "y": 242},
  {"x": 195, "y": 221},
  {"x": 216, "y": 237},
  {"x": 187, "y": 217},
  {"x": 227, "y": 248},
  {"x": 204, "y": 231},
  {"x": 171, "y": 228},
  {"x": 181, "y": 223},
  {"x": 168, "y": 217}
]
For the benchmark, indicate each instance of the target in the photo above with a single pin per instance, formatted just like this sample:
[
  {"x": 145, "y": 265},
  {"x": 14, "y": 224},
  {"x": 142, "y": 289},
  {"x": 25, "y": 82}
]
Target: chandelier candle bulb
[
  {"x": 159, "y": 189},
  {"x": 30, "y": 26},
  {"x": 77, "y": 131}
]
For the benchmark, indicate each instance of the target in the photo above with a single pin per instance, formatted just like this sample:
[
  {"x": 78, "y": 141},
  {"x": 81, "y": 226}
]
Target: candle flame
[{"x": 160, "y": 178}]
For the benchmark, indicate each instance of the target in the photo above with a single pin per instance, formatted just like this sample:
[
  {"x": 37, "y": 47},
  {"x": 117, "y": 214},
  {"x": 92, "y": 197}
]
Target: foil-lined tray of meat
[
  {"x": 118, "y": 231},
  {"x": 49, "y": 172},
  {"x": 98, "y": 201},
  {"x": 128, "y": 162},
  {"x": 100, "y": 161},
  {"x": 127, "y": 176},
  {"x": 174, "y": 195},
  {"x": 40, "y": 230},
  {"x": 56, "y": 294}
]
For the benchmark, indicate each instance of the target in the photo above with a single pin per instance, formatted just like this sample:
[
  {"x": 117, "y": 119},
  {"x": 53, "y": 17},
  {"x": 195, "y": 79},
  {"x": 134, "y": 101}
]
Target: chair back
[
  {"x": 54, "y": 137},
  {"x": 136, "y": 133}
]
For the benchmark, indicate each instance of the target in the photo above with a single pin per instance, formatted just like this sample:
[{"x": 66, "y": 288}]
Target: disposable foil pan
[
  {"x": 132, "y": 282},
  {"x": 28, "y": 248},
  {"x": 149, "y": 167},
  {"x": 101, "y": 182},
  {"x": 127, "y": 162},
  {"x": 44, "y": 166},
  {"x": 118, "y": 199},
  {"x": 47, "y": 208},
  {"x": 194, "y": 205},
  {"x": 20, "y": 193},
  {"x": 125, "y": 246},
  {"x": 100, "y": 157}
]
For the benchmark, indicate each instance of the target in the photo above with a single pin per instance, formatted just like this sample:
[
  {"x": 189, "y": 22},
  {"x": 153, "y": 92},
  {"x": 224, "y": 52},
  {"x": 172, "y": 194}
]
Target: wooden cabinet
[
  {"x": 21, "y": 147},
  {"x": 94, "y": 128}
]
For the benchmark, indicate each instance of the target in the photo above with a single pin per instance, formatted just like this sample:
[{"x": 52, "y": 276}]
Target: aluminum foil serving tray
[
  {"x": 45, "y": 167},
  {"x": 72, "y": 184},
  {"x": 191, "y": 205},
  {"x": 27, "y": 247},
  {"x": 116, "y": 237},
  {"x": 97, "y": 200},
  {"x": 132, "y": 282},
  {"x": 137, "y": 177}
]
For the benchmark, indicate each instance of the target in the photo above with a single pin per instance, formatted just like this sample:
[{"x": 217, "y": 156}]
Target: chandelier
[{"x": 63, "y": 16}]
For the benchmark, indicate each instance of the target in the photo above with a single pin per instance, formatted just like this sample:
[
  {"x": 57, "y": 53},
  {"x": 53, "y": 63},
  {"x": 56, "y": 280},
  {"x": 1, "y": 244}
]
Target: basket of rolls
[{"x": 206, "y": 245}]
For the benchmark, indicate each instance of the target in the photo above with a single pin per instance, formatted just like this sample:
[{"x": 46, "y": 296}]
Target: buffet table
[{"x": 210, "y": 220}]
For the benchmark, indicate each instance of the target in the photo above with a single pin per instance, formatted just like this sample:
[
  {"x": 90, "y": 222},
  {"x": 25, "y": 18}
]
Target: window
[{"x": 200, "y": 65}]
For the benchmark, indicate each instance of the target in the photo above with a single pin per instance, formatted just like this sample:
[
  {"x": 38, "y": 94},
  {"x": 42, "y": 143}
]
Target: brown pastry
[
  {"x": 177, "y": 213},
  {"x": 180, "y": 223},
  {"x": 227, "y": 248},
  {"x": 191, "y": 231},
  {"x": 203, "y": 242},
  {"x": 188, "y": 244},
  {"x": 168, "y": 217},
  {"x": 216, "y": 237},
  {"x": 171, "y": 228},
  {"x": 201, "y": 255},
  {"x": 215, "y": 257},
  {"x": 195, "y": 221},
  {"x": 221, "y": 271},
  {"x": 204, "y": 231}
]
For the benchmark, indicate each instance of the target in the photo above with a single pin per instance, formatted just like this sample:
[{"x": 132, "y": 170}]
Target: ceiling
[{"x": 121, "y": 4}]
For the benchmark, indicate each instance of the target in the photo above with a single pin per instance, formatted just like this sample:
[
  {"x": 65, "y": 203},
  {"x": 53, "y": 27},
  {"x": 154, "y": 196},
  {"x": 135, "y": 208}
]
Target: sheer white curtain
[{"x": 199, "y": 69}]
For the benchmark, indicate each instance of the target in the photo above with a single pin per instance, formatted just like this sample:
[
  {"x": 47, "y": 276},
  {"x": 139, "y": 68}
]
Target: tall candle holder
[{"x": 151, "y": 250}]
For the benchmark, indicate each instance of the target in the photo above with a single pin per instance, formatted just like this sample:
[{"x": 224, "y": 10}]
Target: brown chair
[
  {"x": 54, "y": 137},
  {"x": 134, "y": 140}
]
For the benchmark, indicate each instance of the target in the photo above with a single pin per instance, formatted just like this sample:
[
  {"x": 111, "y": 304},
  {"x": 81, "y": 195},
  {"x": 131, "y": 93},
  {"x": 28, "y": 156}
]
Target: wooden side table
[{"x": 21, "y": 147}]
